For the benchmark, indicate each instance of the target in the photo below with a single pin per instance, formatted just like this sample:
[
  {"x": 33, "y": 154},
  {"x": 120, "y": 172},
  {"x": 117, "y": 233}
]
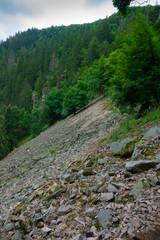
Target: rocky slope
[{"x": 69, "y": 184}]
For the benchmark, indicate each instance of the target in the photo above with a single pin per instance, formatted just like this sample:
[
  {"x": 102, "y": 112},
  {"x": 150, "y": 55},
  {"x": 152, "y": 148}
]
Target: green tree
[
  {"x": 53, "y": 106},
  {"x": 36, "y": 123},
  {"x": 134, "y": 69},
  {"x": 122, "y": 5},
  {"x": 75, "y": 98},
  {"x": 11, "y": 124},
  {"x": 4, "y": 143}
]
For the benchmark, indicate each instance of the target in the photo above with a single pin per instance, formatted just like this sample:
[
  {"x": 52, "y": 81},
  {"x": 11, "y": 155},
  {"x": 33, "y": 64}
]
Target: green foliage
[
  {"x": 75, "y": 98},
  {"x": 132, "y": 124},
  {"x": 122, "y": 5},
  {"x": 36, "y": 124},
  {"x": 133, "y": 70},
  {"x": 4, "y": 140},
  {"x": 53, "y": 106},
  {"x": 15, "y": 124}
]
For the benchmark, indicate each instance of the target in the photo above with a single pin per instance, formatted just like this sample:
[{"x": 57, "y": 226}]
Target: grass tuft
[{"x": 132, "y": 124}]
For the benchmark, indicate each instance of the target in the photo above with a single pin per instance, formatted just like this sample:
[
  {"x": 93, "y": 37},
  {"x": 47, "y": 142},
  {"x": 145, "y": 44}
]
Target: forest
[{"x": 48, "y": 74}]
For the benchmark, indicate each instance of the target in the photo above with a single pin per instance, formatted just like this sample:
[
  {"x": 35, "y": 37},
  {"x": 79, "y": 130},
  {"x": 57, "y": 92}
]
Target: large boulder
[
  {"x": 140, "y": 166},
  {"x": 125, "y": 147}
]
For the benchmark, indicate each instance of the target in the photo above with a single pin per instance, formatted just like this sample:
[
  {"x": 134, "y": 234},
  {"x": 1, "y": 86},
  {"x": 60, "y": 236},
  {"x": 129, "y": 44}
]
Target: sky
[{"x": 19, "y": 15}]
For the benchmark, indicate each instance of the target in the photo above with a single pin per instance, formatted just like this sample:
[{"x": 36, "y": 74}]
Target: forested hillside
[{"x": 47, "y": 74}]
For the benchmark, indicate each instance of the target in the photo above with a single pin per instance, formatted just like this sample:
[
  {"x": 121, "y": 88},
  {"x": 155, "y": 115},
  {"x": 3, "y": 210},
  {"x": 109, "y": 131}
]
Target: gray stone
[
  {"x": 57, "y": 193},
  {"x": 107, "y": 196},
  {"x": 78, "y": 237},
  {"x": 45, "y": 231},
  {"x": 125, "y": 147},
  {"x": 111, "y": 188},
  {"x": 90, "y": 211},
  {"x": 103, "y": 160},
  {"x": 140, "y": 165},
  {"x": 104, "y": 218},
  {"x": 8, "y": 227},
  {"x": 101, "y": 177},
  {"x": 153, "y": 132},
  {"x": 158, "y": 167},
  {"x": 64, "y": 209},
  {"x": 106, "y": 237},
  {"x": 17, "y": 236},
  {"x": 152, "y": 180},
  {"x": 38, "y": 185},
  {"x": 149, "y": 135},
  {"x": 139, "y": 189}
]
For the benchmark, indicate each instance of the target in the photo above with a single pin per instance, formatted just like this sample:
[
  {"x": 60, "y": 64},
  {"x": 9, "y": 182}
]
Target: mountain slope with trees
[{"x": 45, "y": 75}]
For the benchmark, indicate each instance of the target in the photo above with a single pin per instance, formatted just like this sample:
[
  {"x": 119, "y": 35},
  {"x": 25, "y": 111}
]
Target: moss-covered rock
[
  {"x": 139, "y": 189},
  {"x": 125, "y": 147},
  {"x": 145, "y": 148},
  {"x": 88, "y": 171},
  {"x": 140, "y": 166}
]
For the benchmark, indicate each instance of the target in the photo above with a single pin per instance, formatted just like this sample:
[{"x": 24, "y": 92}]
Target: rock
[
  {"x": 103, "y": 160},
  {"x": 111, "y": 188},
  {"x": 104, "y": 218},
  {"x": 125, "y": 147},
  {"x": 106, "y": 197},
  {"x": 152, "y": 180},
  {"x": 139, "y": 189},
  {"x": 90, "y": 212},
  {"x": 8, "y": 227},
  {"x": 101, "y": 177},
  {"x": 140, "y": 165},
  {"x": 38, "y": 185},
  {"x": 17, "y": 236},
  {"x": 106, "y": 237},
  {"x": 49, "y": 218},
  {"x": 45, "y": 231},
  {"x": 57, "y": 193},
  {"x": 64, "y": 209},
  {"x": 153, "y": 132},
  {"x": 158, "y": 167},
  {"x": 88, "y": 172},
  {"x": 68, "y": 177},
  {"x": 78, "y": 237},
  {"x": 147, "y": 143}
]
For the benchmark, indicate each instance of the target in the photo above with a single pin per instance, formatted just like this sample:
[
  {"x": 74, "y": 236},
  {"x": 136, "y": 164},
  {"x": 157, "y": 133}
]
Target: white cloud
[{"x": 53, "y": 12}]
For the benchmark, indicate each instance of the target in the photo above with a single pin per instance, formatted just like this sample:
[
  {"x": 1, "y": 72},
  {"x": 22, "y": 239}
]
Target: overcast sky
[{"x": 19, "y": 15}]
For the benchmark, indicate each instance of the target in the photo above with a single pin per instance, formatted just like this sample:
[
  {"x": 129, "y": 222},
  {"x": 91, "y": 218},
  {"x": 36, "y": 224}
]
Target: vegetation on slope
[{"x": 46, "y": 75}]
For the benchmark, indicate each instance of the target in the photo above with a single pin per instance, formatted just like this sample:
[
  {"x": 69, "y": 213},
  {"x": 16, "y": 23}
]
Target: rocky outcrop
[
  {"x": 125, "y": 147},
  {"x": 148, "y": 145}
]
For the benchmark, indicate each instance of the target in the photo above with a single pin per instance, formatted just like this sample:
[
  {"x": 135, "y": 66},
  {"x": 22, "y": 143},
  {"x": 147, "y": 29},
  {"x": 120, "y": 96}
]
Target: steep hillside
[
  {"x": 46, "y": 75},
  {"x": 68, "y": 183}
]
